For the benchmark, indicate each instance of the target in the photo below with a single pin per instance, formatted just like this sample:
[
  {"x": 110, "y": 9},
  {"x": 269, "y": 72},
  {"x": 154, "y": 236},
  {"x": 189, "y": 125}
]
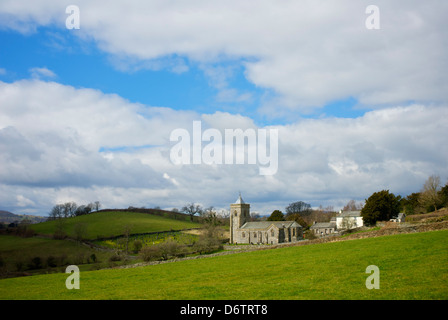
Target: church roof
[
  {"x": 267, "y": 224},
  {"x": 240, "y": 200}
]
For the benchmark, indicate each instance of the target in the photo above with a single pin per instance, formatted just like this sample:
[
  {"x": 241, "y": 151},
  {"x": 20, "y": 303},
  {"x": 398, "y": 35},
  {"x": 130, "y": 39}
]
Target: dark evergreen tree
[
  {"x": 276, "y": 215},
  {"x": 380, "y": 206}
]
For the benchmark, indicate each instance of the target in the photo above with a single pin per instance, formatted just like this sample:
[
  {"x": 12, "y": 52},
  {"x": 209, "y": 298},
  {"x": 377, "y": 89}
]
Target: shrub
[
  {"x": 79, "y": 258},
  {"x": 59, "y": 234},
  {"x": 150, "y": 253},
  {"x": 171, "y": 248},
  {"x": 137, "y": 246},
  {"x": 164, "y": 250},
  {"x": 309, "y": 234},
  {"x": 19, "y": 264},
  {"x": 35, "y": 263},
  {"x": 28, "y": 233},
  {"x": 51, "y": 262},
  {"x": 61, "y": 260},
  {"x": 115, "y": 257},
  {"x": 207, "y": 245}
]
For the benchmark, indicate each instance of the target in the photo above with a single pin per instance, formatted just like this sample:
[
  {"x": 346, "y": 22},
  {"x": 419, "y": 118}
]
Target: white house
[
  {"x": 400, "y": 218},
  {"x": 349, "y": 220}
]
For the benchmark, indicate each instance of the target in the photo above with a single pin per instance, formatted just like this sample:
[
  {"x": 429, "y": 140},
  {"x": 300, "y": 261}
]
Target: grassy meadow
[
  {"x": 412, "y": 266},
  {"x": 54, "y": 255},
  {"x": 111, "y": 224},
  {"x": 42, "y": 254},
  {"x": 149, "y": 239}
]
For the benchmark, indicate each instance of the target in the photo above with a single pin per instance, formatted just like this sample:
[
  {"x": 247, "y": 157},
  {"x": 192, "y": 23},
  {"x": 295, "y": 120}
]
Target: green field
[
  {"x": 412, "y": 266},
  {"x": 149, "y": 239},
  {"x": 110, "y": 224},
  {"x": 18, "y": 252}
]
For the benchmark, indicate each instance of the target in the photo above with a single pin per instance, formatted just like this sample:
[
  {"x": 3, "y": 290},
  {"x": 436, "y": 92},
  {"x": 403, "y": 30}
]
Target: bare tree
[
  {"x": 348, "y": 223},
  {"x": 225, "y": 214},
  {"x": 429, "y": 195},
  {"x": 56, "y": 212},
  {"x": 83, "y": 209},
  {"x": 255, "y": 216},
  {"x": 208, "y": 211},
  {"x": 80, "y": 230},
  {"x": 210, "y": 217},
  {"x": 97, "y": 205},
  {"x": 59, "y": 232},
  {"x": 352, "y": 206},
  {"x": 192, "y": 209},
  {"x": 127, "y": 232},
  {"x": 70, "y": 208}
]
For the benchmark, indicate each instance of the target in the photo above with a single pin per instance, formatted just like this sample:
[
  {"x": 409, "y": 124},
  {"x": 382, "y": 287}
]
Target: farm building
[
  {"x": 324, "y": 228},
  {"x": 343, "y": 221}
]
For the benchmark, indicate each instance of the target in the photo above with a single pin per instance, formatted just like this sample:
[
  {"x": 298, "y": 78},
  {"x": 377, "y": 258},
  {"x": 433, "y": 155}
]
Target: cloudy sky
[{"x": 86, "y": 114}]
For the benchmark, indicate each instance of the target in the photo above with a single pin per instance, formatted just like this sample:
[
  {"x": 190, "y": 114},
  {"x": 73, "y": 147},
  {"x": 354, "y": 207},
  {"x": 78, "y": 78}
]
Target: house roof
[
  {"x": 267, "y": 224},
  {"x": 320, "y": 225},
  {"x": 350, "y": 214}
]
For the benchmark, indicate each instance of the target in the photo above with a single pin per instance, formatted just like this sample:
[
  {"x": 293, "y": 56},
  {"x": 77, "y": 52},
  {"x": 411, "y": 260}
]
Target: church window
[
  {"x": 255, "y": 234},
  {"x": 244, "y": 234},
  {"x": 272, "y": 232}
]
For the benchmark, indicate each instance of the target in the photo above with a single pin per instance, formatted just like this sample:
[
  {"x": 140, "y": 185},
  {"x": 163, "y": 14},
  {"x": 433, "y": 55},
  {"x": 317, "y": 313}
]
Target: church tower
[{"x": 239, "y": 215}]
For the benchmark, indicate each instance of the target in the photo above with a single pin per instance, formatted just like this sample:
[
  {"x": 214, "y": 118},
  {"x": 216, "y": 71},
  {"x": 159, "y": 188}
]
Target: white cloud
[
  {"x": 306, "y": 53},
  {"x": 39, "y": 73},
  {"x": 51, "y": 136},
  {"x": 59, "y": 143},
  {"x": 24, "y": 202}
]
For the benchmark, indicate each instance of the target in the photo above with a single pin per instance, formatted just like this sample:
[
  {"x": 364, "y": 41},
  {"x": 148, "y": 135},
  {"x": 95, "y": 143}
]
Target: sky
[{"x": 353, "y": 101}]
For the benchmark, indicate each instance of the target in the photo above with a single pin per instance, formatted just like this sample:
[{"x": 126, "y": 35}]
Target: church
[{"x": 244, "y": 231}]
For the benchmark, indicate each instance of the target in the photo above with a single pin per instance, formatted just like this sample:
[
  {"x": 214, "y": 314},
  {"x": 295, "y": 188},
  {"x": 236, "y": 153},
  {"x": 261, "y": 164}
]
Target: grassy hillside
[
  {"x": 412, "y": 266},
  {"x": 112, "y": 223},
  {"x": 17, "y": 253}
]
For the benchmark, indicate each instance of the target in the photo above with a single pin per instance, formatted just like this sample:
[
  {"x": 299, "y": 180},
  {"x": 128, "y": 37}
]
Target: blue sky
[
  {"x": 86, "y": 114},
  {"x": 72, "y": 62}
]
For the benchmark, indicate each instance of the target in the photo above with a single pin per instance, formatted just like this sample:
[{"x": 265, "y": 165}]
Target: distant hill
[{"x": 9, "y": 217}]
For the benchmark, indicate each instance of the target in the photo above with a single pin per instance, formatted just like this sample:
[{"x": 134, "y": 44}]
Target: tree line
[
  {"x": 71, "y": 209},
  {"x": 380, "y": 206},
  {"x": 384, "y": 205},
  {"x": 302, "y": 213}
]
